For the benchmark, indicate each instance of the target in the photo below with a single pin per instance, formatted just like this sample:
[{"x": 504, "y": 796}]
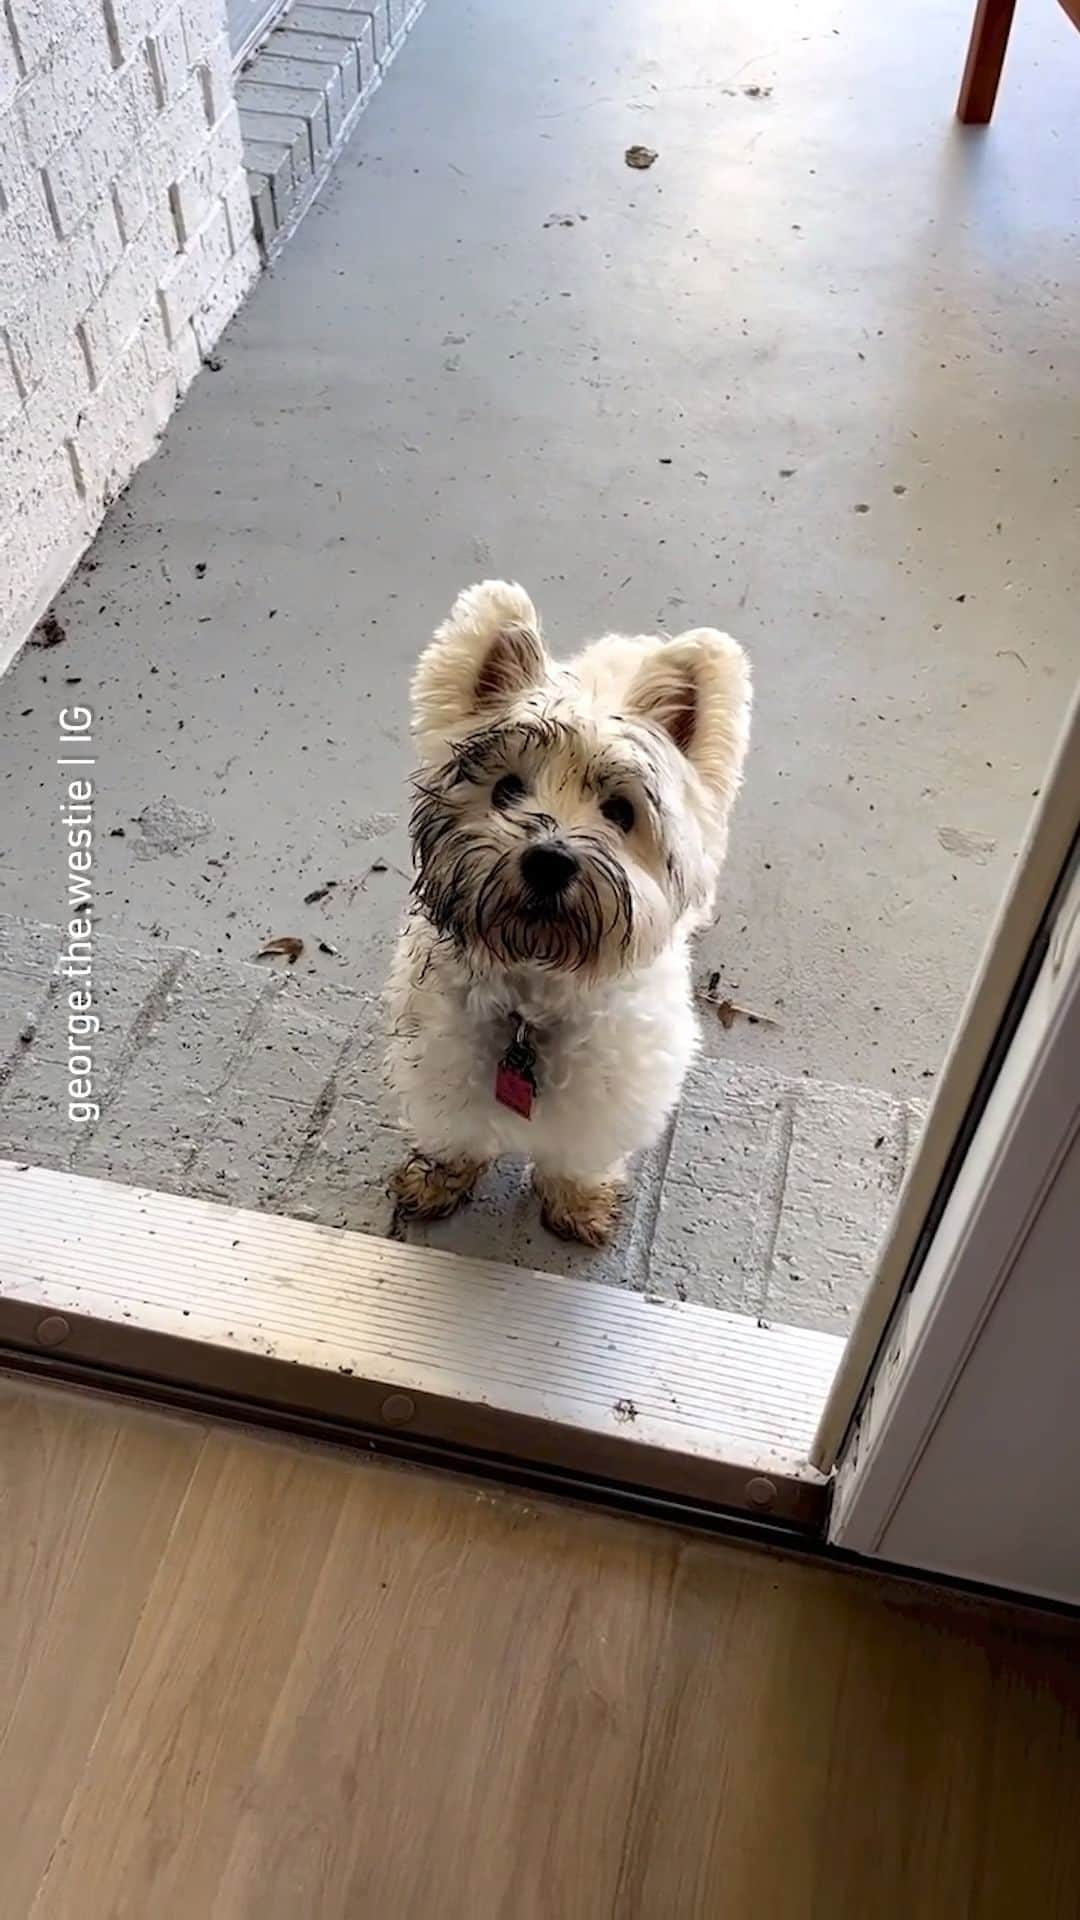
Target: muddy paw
[
  {"x": 426, "y": 1189},
  {"x": 587, "y": 1214}
]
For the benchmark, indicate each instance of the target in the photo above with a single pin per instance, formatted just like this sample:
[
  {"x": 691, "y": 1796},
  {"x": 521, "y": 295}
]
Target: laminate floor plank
[
  {"x": 157, "y": 1807},
  {"x": 246, "y": 1678},
  {"x": 826, "y": 1744},
  {"x": 87, "y": 1504},
  {"x": 501, "y": 1787}
]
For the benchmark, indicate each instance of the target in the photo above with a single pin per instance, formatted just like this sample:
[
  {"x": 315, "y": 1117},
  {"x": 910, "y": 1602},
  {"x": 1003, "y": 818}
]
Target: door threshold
[{"x": 287, "y": 1317}]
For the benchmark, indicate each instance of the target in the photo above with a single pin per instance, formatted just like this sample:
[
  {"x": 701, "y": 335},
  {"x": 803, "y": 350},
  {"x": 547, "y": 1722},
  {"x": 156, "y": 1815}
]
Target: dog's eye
[
  {"x": 506, "y": 791},
  {"x": 620, "y": 812}
]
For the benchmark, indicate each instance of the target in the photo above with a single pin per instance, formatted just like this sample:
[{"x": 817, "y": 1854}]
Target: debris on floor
[
  {"x": 287, "y": 945},
  {"x": 377, "y": 866},
  {"x": 967, "y": 846},
  {"x": 640, "y": 157},
  {"x": 727, "y": 1010},
  {"x": 369, "y": 826},
  {"x": 167, "y": 827},
  {"x": 48, "y": 633}
]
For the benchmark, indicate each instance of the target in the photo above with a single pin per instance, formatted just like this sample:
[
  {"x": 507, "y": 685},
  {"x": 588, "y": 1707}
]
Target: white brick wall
[{"x": 125, "y": 248}]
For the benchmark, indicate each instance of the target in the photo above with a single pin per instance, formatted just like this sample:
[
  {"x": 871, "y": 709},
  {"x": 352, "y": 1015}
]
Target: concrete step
[{"x": 234, "y": 1081}]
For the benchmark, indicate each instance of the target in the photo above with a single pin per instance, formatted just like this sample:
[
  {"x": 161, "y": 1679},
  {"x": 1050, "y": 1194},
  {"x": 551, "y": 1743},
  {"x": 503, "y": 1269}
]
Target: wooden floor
[{"x": 244, "y": 1677}]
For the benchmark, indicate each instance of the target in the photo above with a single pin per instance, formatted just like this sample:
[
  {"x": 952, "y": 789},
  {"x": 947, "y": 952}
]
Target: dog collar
[{"x": 515, "y": 1073}]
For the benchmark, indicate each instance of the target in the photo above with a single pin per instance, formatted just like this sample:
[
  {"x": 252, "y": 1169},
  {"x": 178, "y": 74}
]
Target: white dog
[{"x": 569, "y": 828}]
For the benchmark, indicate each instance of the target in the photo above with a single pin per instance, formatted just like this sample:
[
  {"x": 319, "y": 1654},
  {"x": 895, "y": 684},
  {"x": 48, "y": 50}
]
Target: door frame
[
  {"x": 1001, "y": 1229},
  {"x": 1003, "y": 983}
]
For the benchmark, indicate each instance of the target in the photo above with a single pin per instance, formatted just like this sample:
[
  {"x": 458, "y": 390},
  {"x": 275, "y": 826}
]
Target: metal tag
[{"x": 515, "y": 1074}]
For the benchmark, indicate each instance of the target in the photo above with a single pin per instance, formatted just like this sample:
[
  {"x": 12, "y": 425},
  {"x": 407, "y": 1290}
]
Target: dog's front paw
[
  {"x": 575, "y": 1212},
  {"x": 426, "y": 1189}
]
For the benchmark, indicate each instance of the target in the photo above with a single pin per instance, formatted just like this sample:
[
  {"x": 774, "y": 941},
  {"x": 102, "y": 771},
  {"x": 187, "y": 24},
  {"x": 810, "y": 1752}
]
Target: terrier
[{"x": 569, "y": 826}]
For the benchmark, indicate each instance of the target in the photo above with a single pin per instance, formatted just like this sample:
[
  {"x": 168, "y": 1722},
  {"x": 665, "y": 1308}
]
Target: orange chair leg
[{"x": 986, "y": 52}]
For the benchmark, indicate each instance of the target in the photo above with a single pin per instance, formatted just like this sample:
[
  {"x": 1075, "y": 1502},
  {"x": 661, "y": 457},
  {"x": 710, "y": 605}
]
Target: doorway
[{"x": 555, "y": 377}]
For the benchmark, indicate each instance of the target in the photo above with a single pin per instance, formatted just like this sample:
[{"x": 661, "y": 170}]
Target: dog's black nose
[{"x": 548, "y": 870}]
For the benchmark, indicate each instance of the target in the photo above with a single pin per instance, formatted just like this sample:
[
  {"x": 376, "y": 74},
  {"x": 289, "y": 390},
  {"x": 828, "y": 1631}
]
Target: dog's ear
[
  {"x": 697, "y": 688},
  {"x": 485, "y": 655}
]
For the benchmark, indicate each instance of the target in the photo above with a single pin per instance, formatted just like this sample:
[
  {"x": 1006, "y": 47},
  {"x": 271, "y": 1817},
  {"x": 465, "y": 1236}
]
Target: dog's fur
[{"x": 627, "y": 760}]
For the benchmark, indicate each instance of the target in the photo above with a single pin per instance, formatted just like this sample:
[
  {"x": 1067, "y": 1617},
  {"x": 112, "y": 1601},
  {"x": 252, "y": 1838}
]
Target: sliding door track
[{"x": 318, "y": 1328}]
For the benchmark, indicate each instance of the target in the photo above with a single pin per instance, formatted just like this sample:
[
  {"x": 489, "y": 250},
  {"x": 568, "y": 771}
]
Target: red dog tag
[
  {"x": 514, "y": 1089},
  {"x": 515, "y": 1075}
]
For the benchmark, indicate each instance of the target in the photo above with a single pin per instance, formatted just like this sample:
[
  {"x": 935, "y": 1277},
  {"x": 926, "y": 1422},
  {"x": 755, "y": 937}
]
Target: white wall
[{"x": 125, "y": 247}]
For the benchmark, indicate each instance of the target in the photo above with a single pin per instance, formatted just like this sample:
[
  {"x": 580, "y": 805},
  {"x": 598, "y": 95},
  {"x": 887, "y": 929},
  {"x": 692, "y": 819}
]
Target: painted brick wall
[{"x": 125, "y": 247}]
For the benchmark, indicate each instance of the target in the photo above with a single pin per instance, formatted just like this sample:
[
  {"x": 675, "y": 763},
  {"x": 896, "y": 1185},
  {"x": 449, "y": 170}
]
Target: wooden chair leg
[{"x": 986, "y": 51}]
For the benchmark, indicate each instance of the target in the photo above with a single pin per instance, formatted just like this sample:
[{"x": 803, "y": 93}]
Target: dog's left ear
[
  {"x": 697, "y": 688},
  {"x": 485, "y": 654}
]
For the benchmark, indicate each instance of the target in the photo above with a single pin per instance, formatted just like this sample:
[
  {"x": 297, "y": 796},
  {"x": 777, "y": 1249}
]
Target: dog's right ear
[{"x": 485, "y": 655}]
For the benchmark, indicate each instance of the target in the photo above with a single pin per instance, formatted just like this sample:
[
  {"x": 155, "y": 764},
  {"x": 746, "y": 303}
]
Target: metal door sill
[{"x": 292, "y": 1319}]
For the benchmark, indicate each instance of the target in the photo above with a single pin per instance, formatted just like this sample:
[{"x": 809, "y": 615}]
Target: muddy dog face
[{"x": 570, "y": 817}]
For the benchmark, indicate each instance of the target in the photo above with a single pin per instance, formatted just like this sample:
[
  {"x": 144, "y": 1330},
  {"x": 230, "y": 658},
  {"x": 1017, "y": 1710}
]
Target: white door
[{"x": 954, "y": 1422}]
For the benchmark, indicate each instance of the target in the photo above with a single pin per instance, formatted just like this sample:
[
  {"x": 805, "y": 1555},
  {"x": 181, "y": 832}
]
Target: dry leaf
[
  {"x": 640, "y": 157},
  {"x": 728, "y": 1010},
  {"x": 286, "y": 945}
]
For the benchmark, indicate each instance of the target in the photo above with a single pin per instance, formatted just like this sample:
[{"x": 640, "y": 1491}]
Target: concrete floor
[
  {"x": 223, "y": 1080},
  {"x": 813, "y": 377}
]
